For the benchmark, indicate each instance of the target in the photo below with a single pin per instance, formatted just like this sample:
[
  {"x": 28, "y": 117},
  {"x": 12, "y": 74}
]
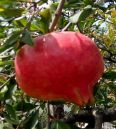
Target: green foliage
[
  {"x": 32, "y": 120},
  {"x": 82, "y": 15},
  {"x": 13, "y": 38},
  {"x": 110, "y": 75},
  {"x": 20, "y": 22},
  {"x": 26, "y": 38},
  {"x": 10, "y": 115},
  {"x": 59, "y": 125}
]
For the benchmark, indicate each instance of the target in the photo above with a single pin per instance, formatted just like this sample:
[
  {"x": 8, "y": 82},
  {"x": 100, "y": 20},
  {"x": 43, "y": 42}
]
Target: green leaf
[
  {"x": 43, "y": 25},
  {"x": 42, "y": 105},
  {"x": 10, "y": 90},
  {"x": 45, "y": 14},
  {"x": 1, "y": 125},
  {"x": 5, "y": 125},
  {"x": 89, "y": 22},
  {"x": 38, "y": 126},
  {"x": 88, "y": 2},
  {"x": 26, "y": 38},
  {"x": 3, "y": 63},
  {"x": 6, "y": 2},
  {"x": 45, "y": 20},
  {"x": 10, "y": 120},
  {"x": 1, "y": 96},
  {"x": 14, "y": 37},
  {"x": 2, "y": 35},
  {"x": 53, "y": 7},
  {"x": 34, "y": 27},
  {"x": 26, "y": 106},
  {"x": 63, "y": 125},
  {"x": 85, "y": 13},
  {"x": 59, "y": 125},
  {"x": 21, "y": 23},
  {"x": 42, "y": 2},
  {"x": 81, "y": 15},
  {"x": 11, "y": 12},
  {"x": 110, "y": 75},
  {"x": 10, "y": 111},
  {"x": 11, "y": 114},
  {"x": 32, "y": 120},
  {"x": 73, "y": 1}
]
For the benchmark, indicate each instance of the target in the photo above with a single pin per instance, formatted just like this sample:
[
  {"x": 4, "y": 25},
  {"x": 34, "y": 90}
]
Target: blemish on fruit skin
[
  {"x": 61, "y": 65},
  {"x": 44, "y": 39}
]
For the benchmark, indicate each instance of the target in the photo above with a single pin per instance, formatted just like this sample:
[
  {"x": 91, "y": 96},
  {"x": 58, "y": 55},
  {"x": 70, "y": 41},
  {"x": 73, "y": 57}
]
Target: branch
[
  {"x": 59, "y": 111},
  {"x": 57, "y": 15},
  {"x": 109, "y": 115},
  {"x": 83, "y": 116},
  {"x": 98, "y": 120},
  {"x": 93, "y": 118}
]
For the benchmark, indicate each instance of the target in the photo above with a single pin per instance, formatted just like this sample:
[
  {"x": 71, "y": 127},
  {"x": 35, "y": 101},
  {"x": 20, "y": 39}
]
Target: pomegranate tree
[{"x": 59, "y": 66}]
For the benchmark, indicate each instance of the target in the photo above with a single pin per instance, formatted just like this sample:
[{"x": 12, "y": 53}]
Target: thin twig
[
  {"x": 66, "y": 27},
  {"x": 2, "y": 86},
  {"x": 57, "y": 15}
]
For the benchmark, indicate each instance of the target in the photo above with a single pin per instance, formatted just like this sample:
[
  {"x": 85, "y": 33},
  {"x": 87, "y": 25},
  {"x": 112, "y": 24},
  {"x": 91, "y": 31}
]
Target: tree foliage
[{"x": 20, "y": 22}]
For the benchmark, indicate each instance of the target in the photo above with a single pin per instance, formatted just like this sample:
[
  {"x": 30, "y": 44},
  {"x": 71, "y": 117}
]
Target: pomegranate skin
[{"x": 59, "y": 66}]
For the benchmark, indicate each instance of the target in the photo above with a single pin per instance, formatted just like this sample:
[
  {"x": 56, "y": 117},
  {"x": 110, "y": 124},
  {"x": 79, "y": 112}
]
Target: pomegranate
[{"x": 59, "y": 66}]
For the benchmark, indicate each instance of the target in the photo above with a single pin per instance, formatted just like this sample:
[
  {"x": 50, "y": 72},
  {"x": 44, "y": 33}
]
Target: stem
[
  {"x": 98, "y": 120},
  {"x": 57, "y": 15}
]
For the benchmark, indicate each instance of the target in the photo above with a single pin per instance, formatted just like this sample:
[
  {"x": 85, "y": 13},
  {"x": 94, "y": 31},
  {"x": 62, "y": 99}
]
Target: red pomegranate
[{"x": 59, "y": 66}]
